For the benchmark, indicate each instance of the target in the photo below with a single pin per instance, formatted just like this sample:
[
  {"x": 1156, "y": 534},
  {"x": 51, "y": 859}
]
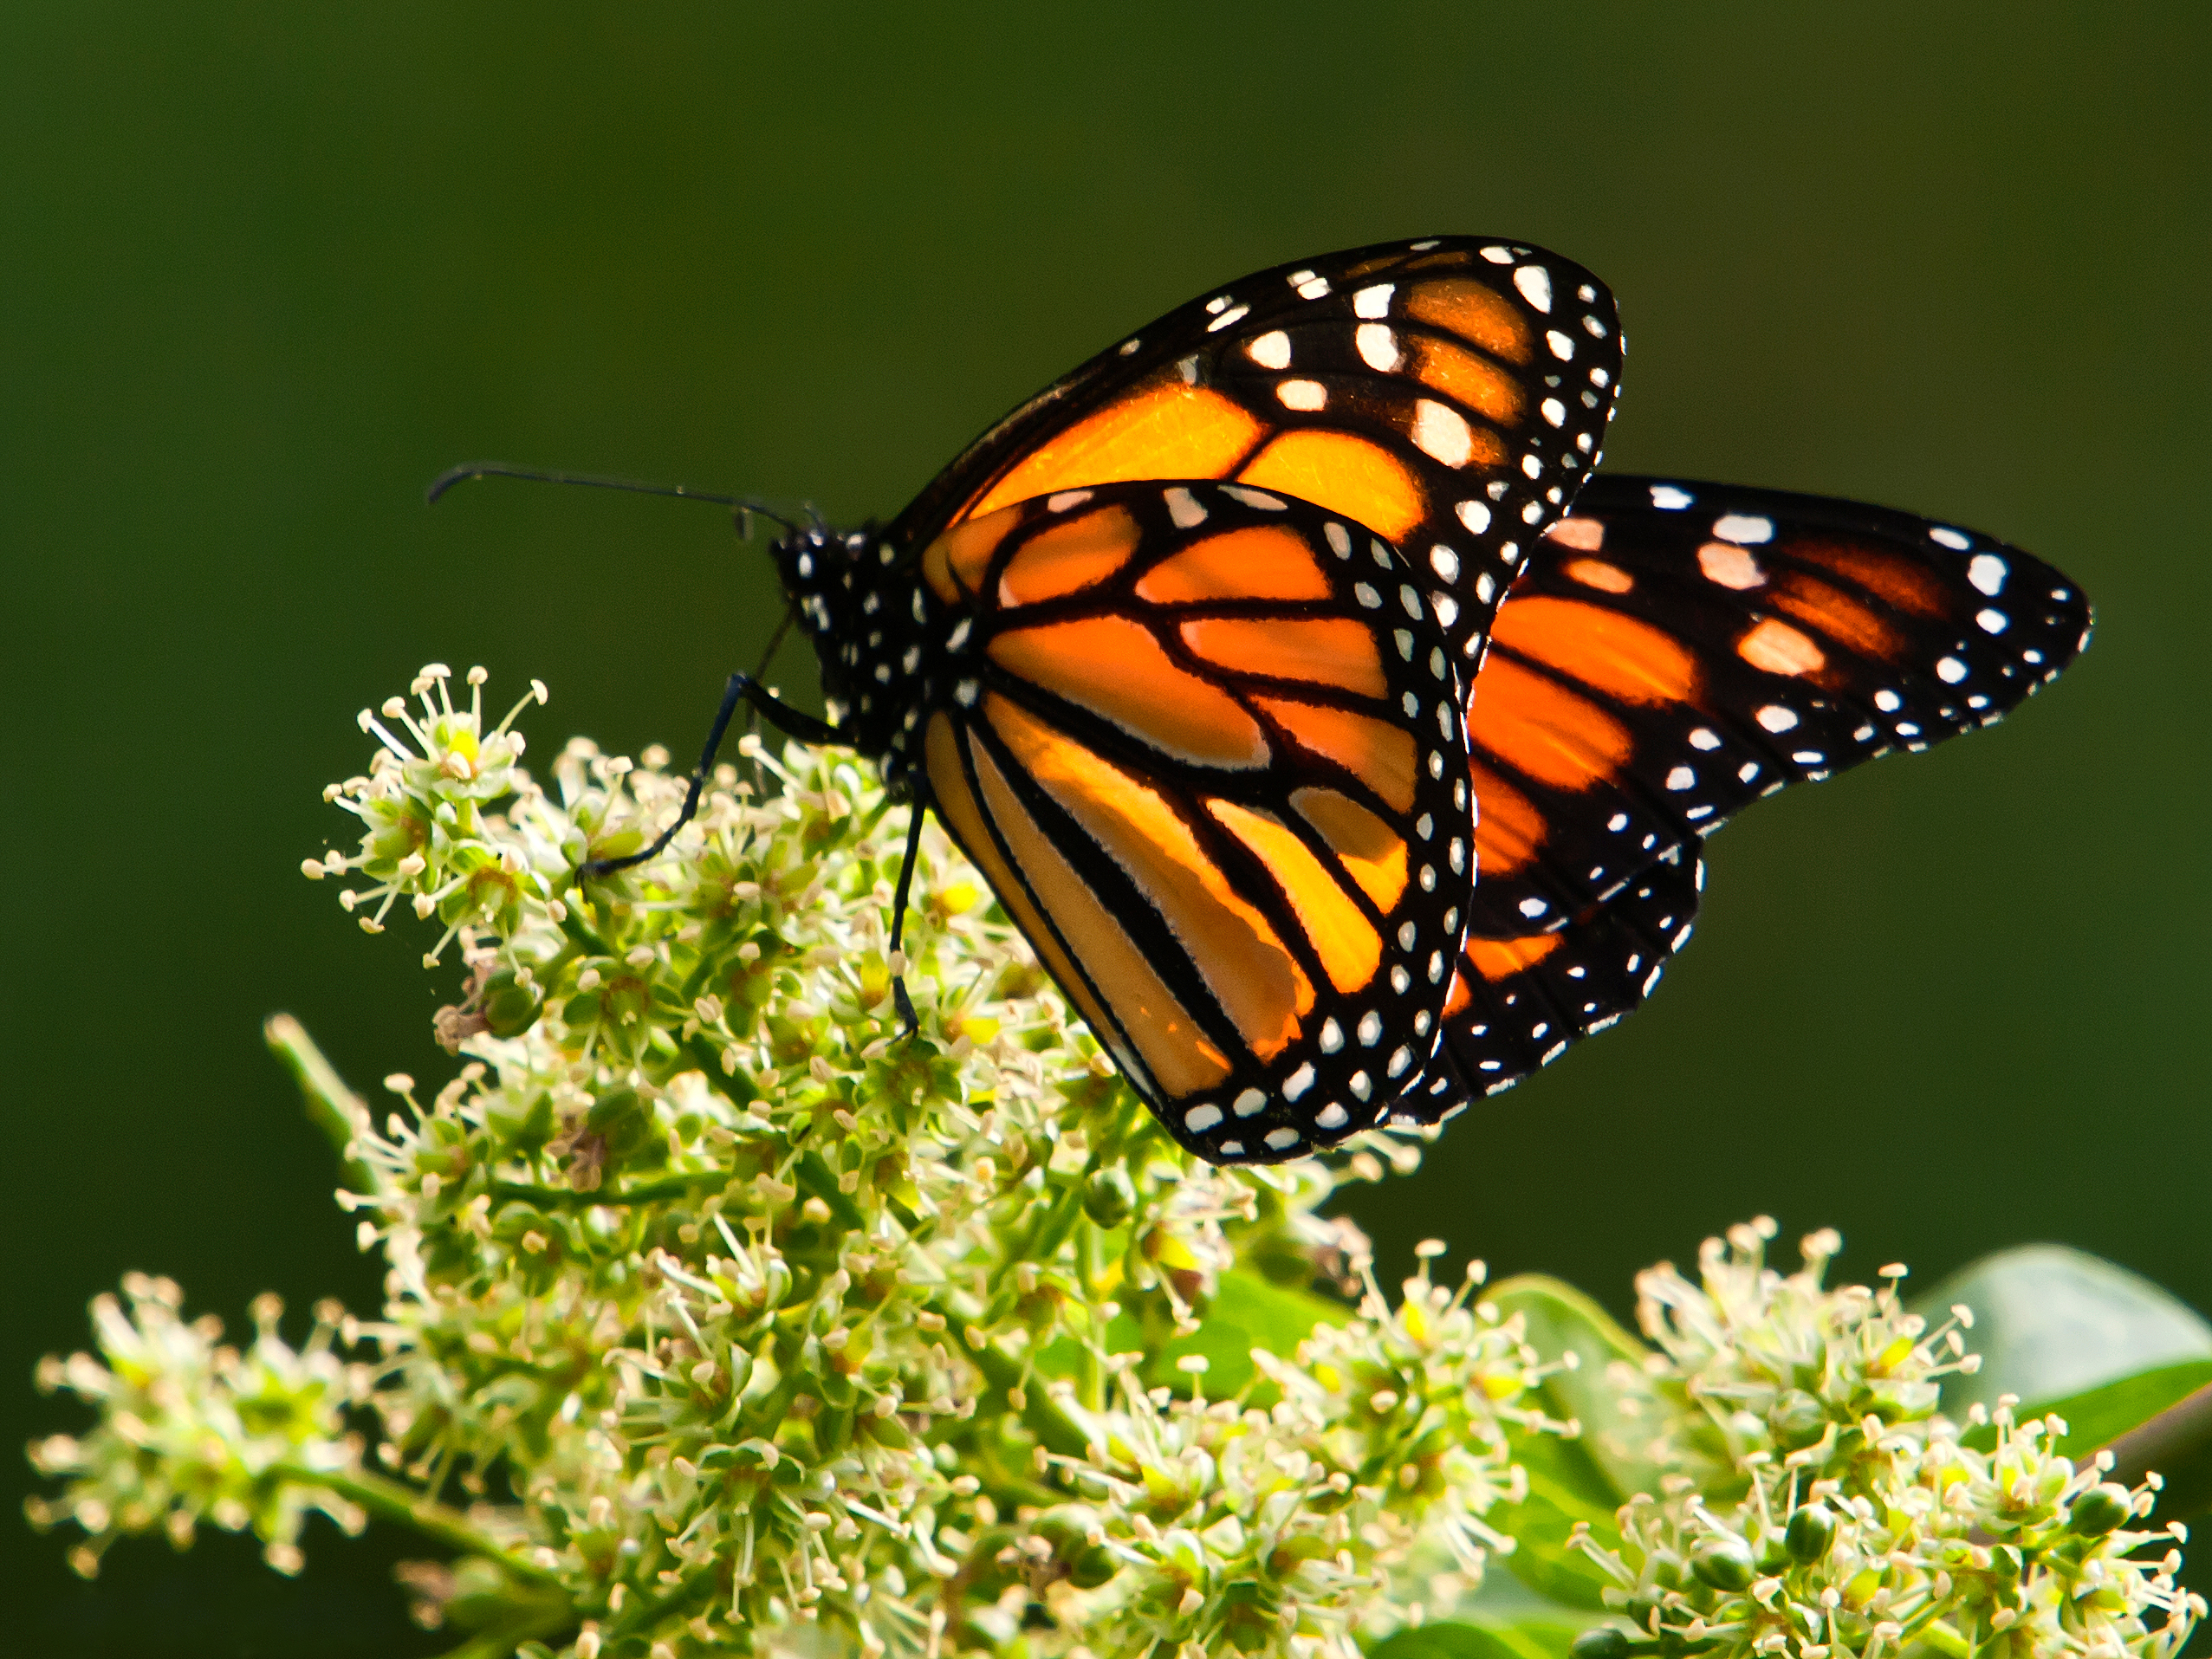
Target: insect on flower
[{"x": 1204, "y": 657}]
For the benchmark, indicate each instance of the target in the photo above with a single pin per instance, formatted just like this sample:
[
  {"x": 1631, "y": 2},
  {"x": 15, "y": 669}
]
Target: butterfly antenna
[{"x": 744, "y": 508}]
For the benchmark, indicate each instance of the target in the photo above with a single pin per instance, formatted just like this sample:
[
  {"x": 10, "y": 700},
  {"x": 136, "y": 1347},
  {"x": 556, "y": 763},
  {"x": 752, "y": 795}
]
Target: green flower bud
[
  {"x": 509, "y": 1009},
  {"x": 1603, "y": 1642},
  {"x": 1093, "y": 1568},
  {"x": 620, "y": 1119},
  {"x": 2100, "y": 1509},
  {"x": 1724, "y": 1561},
  {"x": 1796, "y": 1420},
  {"x": 1810, "y": 1532},
  {"x": 1108, "y": 1197}
]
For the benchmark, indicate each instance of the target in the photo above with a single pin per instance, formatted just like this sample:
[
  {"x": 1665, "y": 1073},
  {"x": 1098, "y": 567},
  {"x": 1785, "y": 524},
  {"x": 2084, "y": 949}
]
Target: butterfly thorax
[{"x": 879, "y": 635}]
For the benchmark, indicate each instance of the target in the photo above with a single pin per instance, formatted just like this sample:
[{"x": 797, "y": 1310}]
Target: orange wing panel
[
  {"x": 1116, "y": 669},
  {"x": 1508, "y": 826},
  {"x": 1903, "y": 583},
  {"x": 1069, "y": 556},
  {"x": 1331, "y": 651},
  {"x": 1380, "y": 755},
  {"x": 1474, "y": 313},
  {"x": 1596, "y": 573},
  {"x": 1350, "y": 948},
  {"x": 1373, "y": 853},
  {"x": 1166, "y": 430},
  {"x": 958, "y": 804},
  {"x": 1342, "y": 474},
  {"x": 1181, "y": 1060},
  {"x": 1614, "y": 653},
  {"x": 1842, "y": 618},
  {"x": 1777, "y": 648},
  {"x": 1542, "y": 730},
  {"x": 1260, "y": 563},
  {"x": 1497, "y": 959},
  {"x": 1469, "y": 379},
  {"x": 955, "y": 563},
  {"x": 1251, "y": 971}
]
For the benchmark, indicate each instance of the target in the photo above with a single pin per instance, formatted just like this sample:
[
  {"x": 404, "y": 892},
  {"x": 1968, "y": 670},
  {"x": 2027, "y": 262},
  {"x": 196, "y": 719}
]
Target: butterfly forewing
[
  {"x": 1672, "y": 653},
  {"x": 1450, "y": 394},
  {"x": 1205, "y": 741}
]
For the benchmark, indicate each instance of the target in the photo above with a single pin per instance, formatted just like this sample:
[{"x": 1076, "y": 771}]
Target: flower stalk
[{"x": 720, "y": 1313}]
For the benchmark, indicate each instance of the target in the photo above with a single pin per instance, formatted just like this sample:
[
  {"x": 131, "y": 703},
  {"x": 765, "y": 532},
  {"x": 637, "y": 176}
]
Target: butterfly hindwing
[
  {"x": 1450, "y": 393},
  {"x": 1205, "y": 741},
  {"x": 1518, "y": 1003},
  {"x": 1675, "y": 651}
]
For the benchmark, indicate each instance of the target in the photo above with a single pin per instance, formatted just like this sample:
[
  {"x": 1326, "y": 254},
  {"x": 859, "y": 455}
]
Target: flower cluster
[
  {"x": 721, "y": 1309},
  {"x": 192, "y": 1431},
  {"x": 1815, "y": 1505}
]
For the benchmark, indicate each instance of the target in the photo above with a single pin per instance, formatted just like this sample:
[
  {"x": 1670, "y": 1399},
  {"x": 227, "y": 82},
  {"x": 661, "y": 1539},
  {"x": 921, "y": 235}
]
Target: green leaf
[
  {"x": 1248, "y": 1312},
  {"x": 1532, "y": 1638},
  {"x": 1541, "y": 1525},
  {"x": 2096, "y": 1417},
  {"x": 2052, "y": 1323},
  {"x": 1561, "y": 1319},
  {"x": 1583, "y": 1480}
]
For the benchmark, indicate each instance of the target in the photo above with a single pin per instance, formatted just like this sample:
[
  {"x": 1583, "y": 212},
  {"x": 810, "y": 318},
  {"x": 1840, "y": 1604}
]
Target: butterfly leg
[
  {"x": 784, "y": 718},
  {"x": 906, "y": 1003}
]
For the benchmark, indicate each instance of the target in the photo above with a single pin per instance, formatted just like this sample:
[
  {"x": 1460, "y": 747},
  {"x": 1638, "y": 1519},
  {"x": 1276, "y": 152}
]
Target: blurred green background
[{"x": 267, "y": 269}]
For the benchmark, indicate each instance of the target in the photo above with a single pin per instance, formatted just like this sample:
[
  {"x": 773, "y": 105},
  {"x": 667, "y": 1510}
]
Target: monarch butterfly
[{"x": 1232, "y": 657}]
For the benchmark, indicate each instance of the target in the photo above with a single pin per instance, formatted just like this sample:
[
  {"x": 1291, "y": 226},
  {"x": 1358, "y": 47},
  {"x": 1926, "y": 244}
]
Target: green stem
[
  {"x": 643, "y": 1618},
  {"x": 1057, "y": 1430},
  {"x": 650, "y": 1192},
  {"x": 341, "y": 1114},
  {"x": 389, "y": 1499},
  {"x": 503, "y": 1638},
  {"x": 814, "y": 1178}
]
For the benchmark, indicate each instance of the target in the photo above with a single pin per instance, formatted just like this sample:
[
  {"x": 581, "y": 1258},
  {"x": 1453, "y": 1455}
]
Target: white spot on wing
[
  {"x": 1271, "y": 350},
  {"x": 1950, "y": 670},
  {"x": 1775, "y": 718},
  {"x": 1746, "y": 529},
  {"x": 1184, "y": 508},
  {"x": 1729, "y": 565},
  {"x": 1443, "y": 432},
  {"x": 1226, "y": 318},
  {"x": 1536, "y": 285},
  {"x": 1987, "y": 572},
  {"x": 1948, "y": 538},
  {"x": 1199, "y": 1119},
  {"x": 1668, "y": 499},
  {"x": 1378, "y": 346},
  {"x": 1372, "y": 302},
  {"x": 1305, "y": 395}
]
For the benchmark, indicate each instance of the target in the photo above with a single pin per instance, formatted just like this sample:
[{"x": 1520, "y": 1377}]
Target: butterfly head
[{"x": 871, "y": 626}]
